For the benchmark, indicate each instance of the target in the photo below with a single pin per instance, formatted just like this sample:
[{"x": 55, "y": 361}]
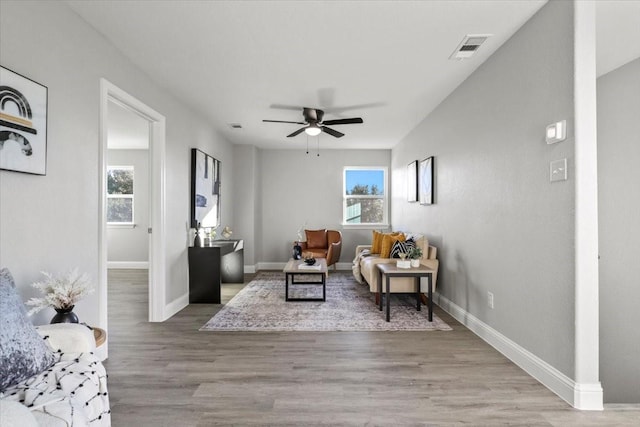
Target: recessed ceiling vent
[
  {"x": 235, "y": 125},
  {"x": 469, "y": 46}
]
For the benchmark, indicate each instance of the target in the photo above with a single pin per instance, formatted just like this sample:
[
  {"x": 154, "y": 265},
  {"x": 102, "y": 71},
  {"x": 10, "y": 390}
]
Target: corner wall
[
  {"x": 298, "y": 189},
  {"x": 619, "y": 212},
  {"x": 499, "y": 223},
  {"x": 51, "y": 222}
]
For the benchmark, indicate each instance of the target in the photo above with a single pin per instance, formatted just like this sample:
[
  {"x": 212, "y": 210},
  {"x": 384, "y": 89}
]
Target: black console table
[{"x": 209, "y": 266}]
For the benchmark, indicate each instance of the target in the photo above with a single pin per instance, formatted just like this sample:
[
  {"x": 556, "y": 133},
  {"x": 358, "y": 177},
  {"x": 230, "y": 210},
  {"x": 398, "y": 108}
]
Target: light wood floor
[{"x": 170, "y": 374}]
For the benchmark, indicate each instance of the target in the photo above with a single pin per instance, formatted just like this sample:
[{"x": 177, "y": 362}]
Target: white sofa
[
  {"x": 49, "y": 375},
  {"x": 365, "y": 268},
  {"x": 72, "y": 392}
]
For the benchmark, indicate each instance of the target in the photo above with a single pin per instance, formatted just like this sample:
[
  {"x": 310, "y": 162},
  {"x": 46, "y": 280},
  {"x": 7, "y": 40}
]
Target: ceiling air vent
[
  {"x": 469, "y": 46},
  {"x": 235, "y": 125}
]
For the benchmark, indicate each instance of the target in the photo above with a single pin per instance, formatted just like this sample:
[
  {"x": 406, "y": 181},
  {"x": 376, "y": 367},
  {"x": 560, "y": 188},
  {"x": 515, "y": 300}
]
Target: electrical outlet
[{"x": 490, "y": 299}]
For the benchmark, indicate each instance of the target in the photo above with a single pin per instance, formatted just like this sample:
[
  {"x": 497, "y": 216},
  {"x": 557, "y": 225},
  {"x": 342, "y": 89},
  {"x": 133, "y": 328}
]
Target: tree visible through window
[
  {"x": 120, "y": 195},
  {"x": 365, "y": 198}
]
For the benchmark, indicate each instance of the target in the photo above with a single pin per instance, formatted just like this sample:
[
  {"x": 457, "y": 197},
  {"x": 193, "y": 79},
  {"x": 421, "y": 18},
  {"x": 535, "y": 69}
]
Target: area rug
[{"x": 349, "y": 306}]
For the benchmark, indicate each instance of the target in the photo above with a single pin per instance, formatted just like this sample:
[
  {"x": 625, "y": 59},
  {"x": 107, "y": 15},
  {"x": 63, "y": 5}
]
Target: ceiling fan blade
[
  {"x": 343, "y": 121},
  {"x": 298, "y": 132},
  {"x": 283, "y": 121},
  {"x": 332, "y": 132}
]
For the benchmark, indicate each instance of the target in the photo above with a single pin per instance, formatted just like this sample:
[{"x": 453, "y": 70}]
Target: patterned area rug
[{"x": 260, "y": 306}]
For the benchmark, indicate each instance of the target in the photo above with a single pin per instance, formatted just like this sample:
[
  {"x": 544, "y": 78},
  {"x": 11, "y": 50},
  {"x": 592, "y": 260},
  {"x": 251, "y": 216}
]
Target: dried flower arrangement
[{"x": 61, "y": 292}]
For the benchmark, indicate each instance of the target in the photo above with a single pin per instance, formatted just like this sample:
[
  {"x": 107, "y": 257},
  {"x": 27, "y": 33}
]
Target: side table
[
  {"x": 100, "y": 335},
  {"x": 388, "y": 271}
]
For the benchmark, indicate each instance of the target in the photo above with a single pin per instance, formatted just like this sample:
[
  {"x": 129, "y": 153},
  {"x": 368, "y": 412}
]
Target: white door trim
[{"x": 157, "y": 166}]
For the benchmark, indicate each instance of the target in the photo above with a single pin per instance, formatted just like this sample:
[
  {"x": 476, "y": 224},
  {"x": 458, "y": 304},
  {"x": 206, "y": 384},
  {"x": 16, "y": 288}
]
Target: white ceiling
[{"x": 242, "y": 61}]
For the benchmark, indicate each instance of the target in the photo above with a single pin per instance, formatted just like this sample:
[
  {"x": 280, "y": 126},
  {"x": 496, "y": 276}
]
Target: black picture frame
[
  {"x": 412, "y": 181},
  {"x": 205, "y": 190},
  {"x": 425, "y": 179},
  {"x": 23, "y": 123}
]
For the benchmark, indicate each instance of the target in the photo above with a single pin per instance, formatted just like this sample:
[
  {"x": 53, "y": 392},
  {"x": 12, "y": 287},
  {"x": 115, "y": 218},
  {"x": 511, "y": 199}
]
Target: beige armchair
[{"x": 323, "y": 244}]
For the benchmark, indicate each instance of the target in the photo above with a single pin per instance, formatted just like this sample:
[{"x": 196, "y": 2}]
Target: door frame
[{"x": 157, "y": 186}]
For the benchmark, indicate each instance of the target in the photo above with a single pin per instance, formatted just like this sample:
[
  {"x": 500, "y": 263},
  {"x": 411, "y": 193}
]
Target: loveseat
[
  {"x": 365, "y": 261},
  {"x": 49, "y": 375}
]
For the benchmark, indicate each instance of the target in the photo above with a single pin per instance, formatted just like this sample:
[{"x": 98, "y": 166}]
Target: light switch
[
  {"x": 558, "y": 170},
  {"x": 556, "y": 132}
]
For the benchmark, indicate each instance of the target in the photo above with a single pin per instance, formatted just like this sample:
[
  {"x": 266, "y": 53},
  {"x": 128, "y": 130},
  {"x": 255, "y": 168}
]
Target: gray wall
[
  {"x": 51, "y": 222},
  {"x": 125, "y": 243},
  {"x": 619, "y": 213},
  {"x": 499, "y": 223},
  {"x": 298, "y": 188}
]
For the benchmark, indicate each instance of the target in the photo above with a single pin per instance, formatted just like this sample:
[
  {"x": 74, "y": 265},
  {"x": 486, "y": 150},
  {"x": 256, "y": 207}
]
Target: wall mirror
[{"x": 205, "y": 190}]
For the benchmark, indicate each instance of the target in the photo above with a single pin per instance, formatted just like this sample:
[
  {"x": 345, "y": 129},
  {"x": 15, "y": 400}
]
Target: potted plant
[
  {"x": 415, "y": 254},
  {"x": 61, "y": 293}
]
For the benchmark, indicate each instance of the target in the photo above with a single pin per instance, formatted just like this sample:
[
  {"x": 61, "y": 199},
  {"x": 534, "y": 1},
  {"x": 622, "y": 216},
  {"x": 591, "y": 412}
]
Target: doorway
[{"x": 110, "y": 95}]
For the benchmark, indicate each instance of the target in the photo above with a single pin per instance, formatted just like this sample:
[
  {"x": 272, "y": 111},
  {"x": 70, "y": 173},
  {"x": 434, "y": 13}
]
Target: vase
[
  {"x": 64, "y": 315},
  {"x": 297, "y": 251},
  {"x": 415, "y": 263}
]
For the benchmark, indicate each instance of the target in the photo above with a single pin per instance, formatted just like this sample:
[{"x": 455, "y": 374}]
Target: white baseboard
[
  {"x": 175, "y": 306},
  {"x": 134, "y": 265},
  {"x": 581, "y": 396}
]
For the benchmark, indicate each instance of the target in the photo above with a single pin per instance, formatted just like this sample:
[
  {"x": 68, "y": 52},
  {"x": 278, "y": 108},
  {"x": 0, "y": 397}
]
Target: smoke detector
[{"x": 469, "y": 46}]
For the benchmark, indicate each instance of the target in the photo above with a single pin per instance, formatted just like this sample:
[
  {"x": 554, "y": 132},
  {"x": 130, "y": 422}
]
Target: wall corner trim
[
  {"x": 175, "y": 306},
  {"x": 585, "y": 395}
]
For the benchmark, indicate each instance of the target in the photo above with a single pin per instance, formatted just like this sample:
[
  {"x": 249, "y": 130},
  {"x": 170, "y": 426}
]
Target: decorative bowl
[{"x": 310, "y": 261}]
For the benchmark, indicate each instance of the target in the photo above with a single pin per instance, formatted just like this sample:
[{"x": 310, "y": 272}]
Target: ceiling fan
[{"x": 314, "y": 124}]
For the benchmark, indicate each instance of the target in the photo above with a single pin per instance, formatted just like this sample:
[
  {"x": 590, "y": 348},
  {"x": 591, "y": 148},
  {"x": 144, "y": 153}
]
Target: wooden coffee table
[
  {"x": 296, "y": 268},
  {"x": 388, "y": 271}
]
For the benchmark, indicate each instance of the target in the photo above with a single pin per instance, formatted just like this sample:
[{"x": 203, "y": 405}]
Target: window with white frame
[
  {"x": 365, "y": 196},
  {"x": 120, "y": 195}
]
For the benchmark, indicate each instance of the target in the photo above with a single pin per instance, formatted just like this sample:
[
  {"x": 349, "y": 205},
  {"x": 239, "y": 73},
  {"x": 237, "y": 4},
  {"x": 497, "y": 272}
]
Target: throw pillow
[
  {"x": 400, "y": 247},
  {"x": 316, "y": 239},
  {"x": 376, "y": 243},
  {"x": 387, "y": 242},
  {"x": 23, "y": 352}
]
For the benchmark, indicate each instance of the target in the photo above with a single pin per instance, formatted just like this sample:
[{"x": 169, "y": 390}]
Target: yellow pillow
[
  {"x": 387, "y": 243},
  {"x": 376, "y": 244}
]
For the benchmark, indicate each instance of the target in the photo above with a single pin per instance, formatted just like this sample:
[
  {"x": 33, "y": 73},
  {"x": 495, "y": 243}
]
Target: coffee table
[
  {"x": 387, "y": 271},
  {"x": 296, "y": 267}
]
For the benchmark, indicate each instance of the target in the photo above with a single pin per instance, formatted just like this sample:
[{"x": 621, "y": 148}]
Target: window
[
  {"x": 120, "y": 195},
  {"x": 365, "y": 198}
]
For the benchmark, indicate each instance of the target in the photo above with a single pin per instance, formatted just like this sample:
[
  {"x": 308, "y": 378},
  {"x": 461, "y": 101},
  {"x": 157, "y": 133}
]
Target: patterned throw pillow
[
  {"x": 401, "y": 248},
  {"x": 23, "y": 352}
]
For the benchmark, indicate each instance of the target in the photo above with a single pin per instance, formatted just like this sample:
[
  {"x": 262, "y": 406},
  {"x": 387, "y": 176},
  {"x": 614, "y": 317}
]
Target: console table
[{"x": 209, "y": 266}]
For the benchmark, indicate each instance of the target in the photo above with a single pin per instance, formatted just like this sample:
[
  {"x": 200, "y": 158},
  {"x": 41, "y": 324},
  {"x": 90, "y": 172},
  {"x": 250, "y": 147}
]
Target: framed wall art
[
  {"x": 205, "y": 190},
  {"x": 412, "y": 181},
  {"x": 23, "y": 124},
  {"x": 425, "y": 180}
]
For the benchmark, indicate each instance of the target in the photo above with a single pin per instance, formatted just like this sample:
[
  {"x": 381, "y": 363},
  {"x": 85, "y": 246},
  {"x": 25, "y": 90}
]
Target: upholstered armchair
[{"x": 323, "y": 244}]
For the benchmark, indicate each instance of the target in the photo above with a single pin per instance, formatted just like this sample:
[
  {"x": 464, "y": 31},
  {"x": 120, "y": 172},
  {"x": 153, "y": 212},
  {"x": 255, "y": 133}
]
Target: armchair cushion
[
  {"x": 316, "y": 239},
  {"x": 23, "y": 353}
]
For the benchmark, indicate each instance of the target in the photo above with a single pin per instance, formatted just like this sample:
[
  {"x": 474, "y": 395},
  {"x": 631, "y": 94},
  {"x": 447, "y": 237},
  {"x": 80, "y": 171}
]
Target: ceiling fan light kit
[
  {"x": 313, "y": 130},
  {"x": 315, "y": 125}
]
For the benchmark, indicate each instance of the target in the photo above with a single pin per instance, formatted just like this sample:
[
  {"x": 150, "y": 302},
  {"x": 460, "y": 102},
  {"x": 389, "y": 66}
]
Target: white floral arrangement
[{"x": 61, "y": 292}]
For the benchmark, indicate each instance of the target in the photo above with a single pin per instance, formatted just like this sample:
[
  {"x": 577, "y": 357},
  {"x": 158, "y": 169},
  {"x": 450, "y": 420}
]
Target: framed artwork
[
  {"x": 23, "y": 124},
  {"x": 205, "y": 190},
  {"x": 412, "y": 181},
  {"x": 425, "y": 180}
]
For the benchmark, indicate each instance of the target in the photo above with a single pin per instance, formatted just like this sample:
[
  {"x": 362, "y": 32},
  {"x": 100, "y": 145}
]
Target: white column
[{"x": 587, "y": 391}]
